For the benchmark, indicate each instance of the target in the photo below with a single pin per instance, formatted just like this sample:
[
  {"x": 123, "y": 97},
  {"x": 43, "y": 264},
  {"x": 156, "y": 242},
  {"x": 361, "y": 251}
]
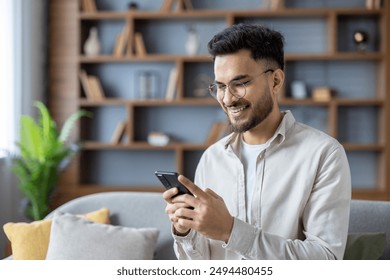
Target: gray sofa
[{"x": 147, "y": 209}]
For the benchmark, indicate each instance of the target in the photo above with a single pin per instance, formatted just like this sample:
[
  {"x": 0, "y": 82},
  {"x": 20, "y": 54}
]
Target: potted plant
[{"x": 43, "y": 154}]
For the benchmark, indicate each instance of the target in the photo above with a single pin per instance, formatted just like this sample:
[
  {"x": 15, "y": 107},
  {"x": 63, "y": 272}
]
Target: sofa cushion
[
  {"x": 365, "y": 246},
  {"x": 29, "y": 241},
  {"x": 76, "y": 238}
]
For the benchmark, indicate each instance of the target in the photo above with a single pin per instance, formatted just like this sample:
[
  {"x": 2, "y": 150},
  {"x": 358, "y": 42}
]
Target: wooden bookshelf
[{"x": 68, "y": 29}]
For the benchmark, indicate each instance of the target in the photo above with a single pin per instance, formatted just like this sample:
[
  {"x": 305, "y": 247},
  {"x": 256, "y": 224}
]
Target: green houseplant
[{"x": 43, "y": 153}]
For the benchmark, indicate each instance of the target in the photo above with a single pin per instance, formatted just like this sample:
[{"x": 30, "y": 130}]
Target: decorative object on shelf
[
  {"x": 119, "y": 132},
  {"x": 148, "y": 84},
  {"x": 298, "y": 90},
  {"x": 193, "y": 41},
  {"x": 44, "y": 153},
  {"x": 322, "y": 93},
  {"x": 201, "y": 84},
  {"x": 92, "y": 44},
  {"x": 360, "y": 39},
  {"x": 132, "y": 6},
  {"x": 158, "y": 139},
  {"x": 180, "y": 5}
]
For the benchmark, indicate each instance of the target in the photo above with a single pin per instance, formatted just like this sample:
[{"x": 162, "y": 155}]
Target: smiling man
[{"x": 274, "y": 188}]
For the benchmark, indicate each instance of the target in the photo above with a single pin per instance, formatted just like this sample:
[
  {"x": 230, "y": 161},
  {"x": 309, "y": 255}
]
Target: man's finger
[
  {"x": 212, "y": 193},
  {"x": 194, "y": 189},
  {"x": 167, "y": 195}
]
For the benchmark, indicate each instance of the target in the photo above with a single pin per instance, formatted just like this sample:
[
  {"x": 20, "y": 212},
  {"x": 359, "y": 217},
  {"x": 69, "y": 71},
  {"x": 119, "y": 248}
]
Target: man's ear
[{"x": 278, "y": 81}]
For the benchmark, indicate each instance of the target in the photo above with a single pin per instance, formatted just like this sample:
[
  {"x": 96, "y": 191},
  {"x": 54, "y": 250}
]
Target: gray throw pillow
[
  {"x": 365, "y": 246},
  {"x": 76, "y": 238}
]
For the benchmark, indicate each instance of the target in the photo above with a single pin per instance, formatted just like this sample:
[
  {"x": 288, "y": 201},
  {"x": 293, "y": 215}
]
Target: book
[
  {"x": 172, "y": 84},
  {"x": 187, "y": 5},
  {"x": 84, "y": 6},
  {"x": 166, "y": 6},
  {"x": 119, "y": 45},
  {"x": 88, "y": 6},
  {"x": 139, "y": 44},
  {"x": 96, "y": 88},
  {"x": 91, "y": 85},
  {"x": 119, "y": 132},
  {"x": 121, "y": 41},
  {"x": 85, "y": 84}
]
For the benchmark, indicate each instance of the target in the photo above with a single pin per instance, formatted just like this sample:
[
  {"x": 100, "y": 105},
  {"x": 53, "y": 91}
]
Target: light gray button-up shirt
[{"x": 301, "y": 201}]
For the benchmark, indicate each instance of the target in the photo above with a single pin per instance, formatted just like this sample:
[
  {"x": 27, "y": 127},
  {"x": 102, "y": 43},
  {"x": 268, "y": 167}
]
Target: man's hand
[
  {"x": 171, "y": 209},
  {"x": 209, "y": 215}
]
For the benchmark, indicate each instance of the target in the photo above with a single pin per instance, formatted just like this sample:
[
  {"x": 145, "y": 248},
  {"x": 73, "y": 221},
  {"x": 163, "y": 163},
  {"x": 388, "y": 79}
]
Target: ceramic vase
[
  {"x": 92, "y": 44},
  {"x": 192, "y": 43}
]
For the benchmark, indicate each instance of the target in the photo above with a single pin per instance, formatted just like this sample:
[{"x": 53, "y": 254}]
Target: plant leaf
[
  {"x": 30, "y": 137},
  {"x": 68, "y": 125},
  {"x": 45, "y": 119}
]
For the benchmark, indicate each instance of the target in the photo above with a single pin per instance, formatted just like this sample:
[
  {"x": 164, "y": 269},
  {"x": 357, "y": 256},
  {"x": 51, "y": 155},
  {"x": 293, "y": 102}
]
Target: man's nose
[{"x": 228, "y": 98}]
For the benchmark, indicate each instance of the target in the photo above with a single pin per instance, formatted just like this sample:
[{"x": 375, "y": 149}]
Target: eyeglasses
[{"x": 236, "y": 87}]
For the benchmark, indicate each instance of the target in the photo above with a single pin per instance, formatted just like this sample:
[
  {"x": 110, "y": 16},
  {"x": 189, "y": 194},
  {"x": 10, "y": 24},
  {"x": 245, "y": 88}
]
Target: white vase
[
  {"x": 298, "y": 90},
  {"x": 92, "y": 44},
  {"x": 192, "y": 43}
]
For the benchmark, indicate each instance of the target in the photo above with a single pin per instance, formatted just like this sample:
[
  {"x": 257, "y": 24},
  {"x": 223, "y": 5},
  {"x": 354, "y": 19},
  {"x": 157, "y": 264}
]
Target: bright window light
[{"x": 7, "y": 90}]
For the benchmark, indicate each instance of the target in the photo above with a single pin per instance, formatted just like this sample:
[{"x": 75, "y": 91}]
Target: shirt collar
[{"x": 280, "y": 133}]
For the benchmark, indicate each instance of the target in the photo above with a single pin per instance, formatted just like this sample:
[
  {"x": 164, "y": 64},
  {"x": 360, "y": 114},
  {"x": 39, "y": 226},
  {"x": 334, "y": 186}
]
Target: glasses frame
[{"x": 214, "y": 88}]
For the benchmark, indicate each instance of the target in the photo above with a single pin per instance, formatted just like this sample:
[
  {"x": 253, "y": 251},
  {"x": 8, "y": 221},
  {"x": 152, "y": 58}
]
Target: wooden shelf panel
[
  {"x": 90, "y": 145},
  {"x": 150, "y": 102},
  {"x": 221, "y": 13},
  {"x": 370, "y": 194},
  {"x": 363, "y": 147},
  {"x": 144, "y": 58},
  {"x": 333, "y": 101},
  {"x": 206, "y": 58},
  {"x": 359, "y": 102},
  {"x": 334, "y": 56}
]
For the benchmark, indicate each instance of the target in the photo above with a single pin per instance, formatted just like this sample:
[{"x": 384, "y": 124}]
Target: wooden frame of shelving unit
[{"x": 64, "y": 89}]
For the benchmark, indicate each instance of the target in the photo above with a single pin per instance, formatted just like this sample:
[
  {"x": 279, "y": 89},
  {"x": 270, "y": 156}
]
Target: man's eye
[
  {"x": 221, "y": 87},
  {"x": 239, "y": 84}
]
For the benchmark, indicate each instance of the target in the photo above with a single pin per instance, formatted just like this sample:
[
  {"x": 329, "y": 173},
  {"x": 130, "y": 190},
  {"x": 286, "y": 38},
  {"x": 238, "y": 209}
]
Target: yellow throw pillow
[{"x": 30, "y": 241}]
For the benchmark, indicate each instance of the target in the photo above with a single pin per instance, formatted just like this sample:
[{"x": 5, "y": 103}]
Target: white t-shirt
[{"x": 249, "y": 154}]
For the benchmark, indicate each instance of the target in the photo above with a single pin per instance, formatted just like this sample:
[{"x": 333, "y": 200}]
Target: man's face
[{"x": 249, "y": 111}]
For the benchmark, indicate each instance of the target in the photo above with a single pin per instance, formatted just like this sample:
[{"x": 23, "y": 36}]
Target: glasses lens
[
  {"x": 213, "y": 89},
  {"x": 237, "y": 89}
]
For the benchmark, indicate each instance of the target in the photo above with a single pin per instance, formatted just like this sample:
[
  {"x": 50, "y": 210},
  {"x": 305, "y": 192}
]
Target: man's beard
[{"x": 260, "y": 111}]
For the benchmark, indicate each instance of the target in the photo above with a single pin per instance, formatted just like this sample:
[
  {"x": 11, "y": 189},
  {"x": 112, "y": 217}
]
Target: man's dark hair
[{"x": 263, "y": 42}]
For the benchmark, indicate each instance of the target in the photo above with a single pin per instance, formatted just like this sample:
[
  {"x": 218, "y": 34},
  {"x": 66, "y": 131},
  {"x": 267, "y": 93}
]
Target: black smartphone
[{"x": 169, "y": 180}]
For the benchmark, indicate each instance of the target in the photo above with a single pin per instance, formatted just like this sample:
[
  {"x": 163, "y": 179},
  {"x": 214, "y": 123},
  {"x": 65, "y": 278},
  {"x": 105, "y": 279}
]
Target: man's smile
[{"x": 236, "y": 109}]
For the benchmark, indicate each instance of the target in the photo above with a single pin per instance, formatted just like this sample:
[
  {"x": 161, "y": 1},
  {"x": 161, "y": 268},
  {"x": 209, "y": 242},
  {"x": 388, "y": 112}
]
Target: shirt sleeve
[{"x": 193, "y": 246}]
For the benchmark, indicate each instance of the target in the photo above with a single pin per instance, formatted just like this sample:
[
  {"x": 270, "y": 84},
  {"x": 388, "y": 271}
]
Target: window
[{"x": 7, "y": 76}]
